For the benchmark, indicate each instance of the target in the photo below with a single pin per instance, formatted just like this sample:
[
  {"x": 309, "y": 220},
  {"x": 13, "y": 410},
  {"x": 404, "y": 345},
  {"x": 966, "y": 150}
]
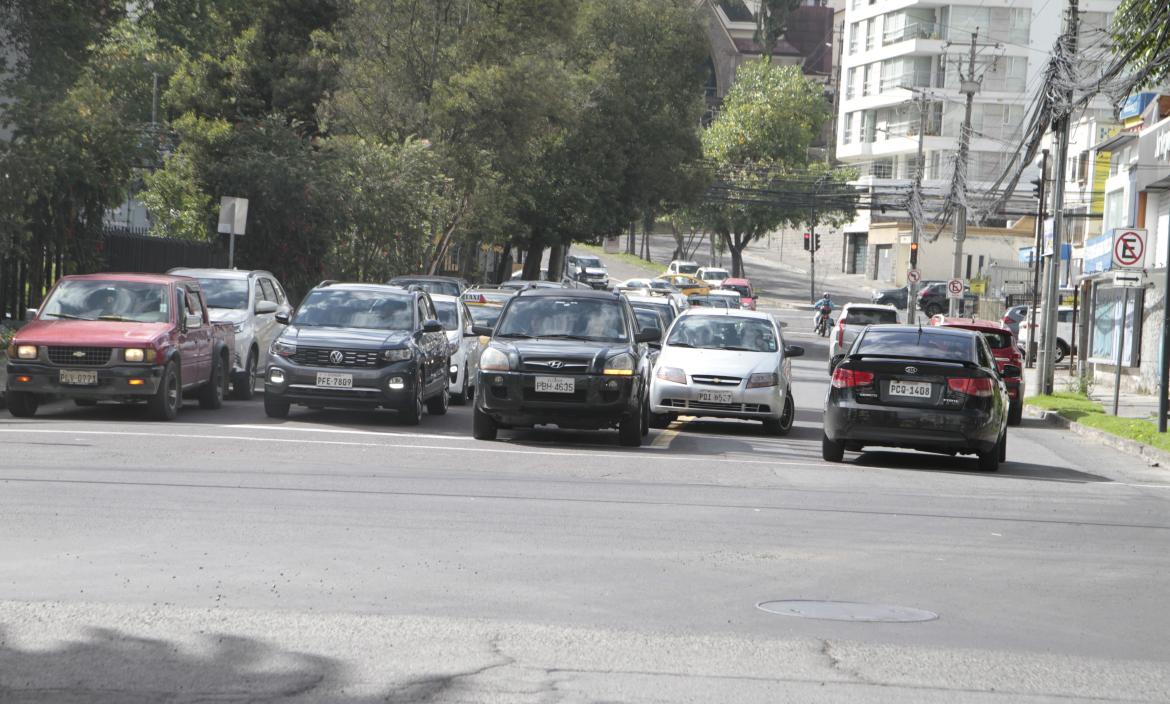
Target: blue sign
[
  {"x": 1134, "y": 105},
  {"x": 1065, "y": 253},
  {"x": 1099, "y": 254}
]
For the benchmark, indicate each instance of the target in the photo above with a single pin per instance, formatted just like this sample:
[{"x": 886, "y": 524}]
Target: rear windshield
[
  {"x": 870, "y": 316},
  {"x": 687, "y": 268},
  {"x": 923, "y": 343},
  {"x": 444, "y": 288},
  {"x": 356, "y": 309},
  {"x": 448, "y": 315},
  {"x": 744, "y": 291},
  {"x": 592, "y": 319},
  {"x": 997, "y": 340}
]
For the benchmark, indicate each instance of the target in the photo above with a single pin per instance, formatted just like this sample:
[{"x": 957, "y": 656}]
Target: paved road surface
[{"x": 340, "y": 557}]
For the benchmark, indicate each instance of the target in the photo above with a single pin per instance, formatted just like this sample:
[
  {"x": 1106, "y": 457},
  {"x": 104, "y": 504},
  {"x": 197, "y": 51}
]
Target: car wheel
[
  {"x": 659, "y": 421},
  {"x": 437, "y": 405},
  {"x": 164, "y": 404},
  {"x": 411, "y": 414},
  {"x": 788, "y": 417},
  {"x": 243, "y": 385},
  {"x": 645, "y": 417},
  {"x": 84, "y": 402},
  {"x": 275, "y": 407},
  {"x": 211, "y": 394},
  {"x": 1016, "y": 413},
  {"x": 989, "y": 461},
  {"x": 630, "y": 429},
  {"x": 22, "y": 404},
  {"x": 1003, "y": 447},
  {"x": 933, "y": 309},
  {"x": 483, "y": 426},
  {"x": 1061, "y": 351},
  {"x": 831, "y": 451},
  {"x": 461, "y": 398}
]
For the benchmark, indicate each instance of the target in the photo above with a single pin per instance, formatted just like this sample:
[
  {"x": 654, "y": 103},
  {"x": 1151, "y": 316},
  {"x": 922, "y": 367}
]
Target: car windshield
[
  {"x": 744, "y": 291},
  {"x": 339, "y": 308},
  {"x": 922, "y": 343},
  {"x": 129, "y": 301},
  {"x": 486, "y": 315},
  {"x": 870, "y": 316},
  {"x": 448, "y": 314},
  {"x": 715, "y": 275},
  {"x": 225, "y": 293},
  {"x": 589, "y": 262},
  {"x": 717, "y": 332},
  {"x": 443, "y": 288},
  {"x": 687, "y": 268},
  {"x": 647, "y": 318},
  {"x": 590, "y": 319}
]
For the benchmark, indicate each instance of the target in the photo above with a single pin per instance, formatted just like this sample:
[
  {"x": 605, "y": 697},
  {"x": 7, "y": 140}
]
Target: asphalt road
[{"x": 341, "y": 557}]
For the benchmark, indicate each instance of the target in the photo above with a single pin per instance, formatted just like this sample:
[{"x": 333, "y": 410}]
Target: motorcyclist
[{"x": 823, "y": 308}]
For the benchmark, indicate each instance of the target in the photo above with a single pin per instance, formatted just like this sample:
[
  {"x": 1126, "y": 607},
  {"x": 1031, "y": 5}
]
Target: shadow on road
[{"x": 925, "y": 462}]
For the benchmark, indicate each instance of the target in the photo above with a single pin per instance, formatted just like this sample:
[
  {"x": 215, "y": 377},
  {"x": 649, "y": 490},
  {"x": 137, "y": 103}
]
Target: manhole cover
[{"x": 846, "y": 611}]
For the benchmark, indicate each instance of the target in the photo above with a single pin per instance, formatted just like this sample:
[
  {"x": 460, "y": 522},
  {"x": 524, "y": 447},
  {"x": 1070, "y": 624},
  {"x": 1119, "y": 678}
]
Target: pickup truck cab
[{"x": 128, "y": 338}]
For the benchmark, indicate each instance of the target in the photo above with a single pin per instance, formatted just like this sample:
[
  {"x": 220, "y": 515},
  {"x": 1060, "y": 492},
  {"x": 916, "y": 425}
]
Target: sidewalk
[{"x": 1129, "y": 405}]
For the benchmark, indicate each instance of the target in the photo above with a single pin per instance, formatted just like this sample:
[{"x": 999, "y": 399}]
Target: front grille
[
  {"x": 578, "y": 396},
  {"x": 716, "y": 380},
  {"x": 556, "y": 366},
  {"x": 708, "y": 406},
  {"x": 321, "y": 357},
  {"x": 80, "y": 356}
]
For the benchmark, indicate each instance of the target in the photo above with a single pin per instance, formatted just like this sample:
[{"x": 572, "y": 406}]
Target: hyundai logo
[
  {"x": 556, "y": 364},
  {"x": 336, "y": 357},
  {"x": 911, "y": 370}
]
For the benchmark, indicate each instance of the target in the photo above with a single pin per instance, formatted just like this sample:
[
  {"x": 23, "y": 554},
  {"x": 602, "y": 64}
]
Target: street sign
[
  {"x": 979, "y": 287},
  {"x": 1129, "y": 248},
  {"x": 955, "y": 288},
  {"x": 233, "y": 220},
  {"x": 1129, "y": 280},
  {"x": 1015, "y": 288},
  {"x": 914, "y": 276}
]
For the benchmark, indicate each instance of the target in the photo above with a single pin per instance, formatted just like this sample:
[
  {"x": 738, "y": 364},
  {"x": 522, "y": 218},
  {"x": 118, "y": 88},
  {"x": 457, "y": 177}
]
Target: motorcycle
[{"x": 824, "y": 322}]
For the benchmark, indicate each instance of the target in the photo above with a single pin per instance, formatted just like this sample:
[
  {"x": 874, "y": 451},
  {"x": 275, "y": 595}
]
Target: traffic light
[
  {"x": 816, "y": 242},
  {"x": 913, "y": 255},
  {"x": 1037, "y": 188},
  {"x": 807, "y": 242}
]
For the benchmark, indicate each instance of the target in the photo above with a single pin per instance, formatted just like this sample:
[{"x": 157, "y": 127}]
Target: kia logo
[
  {"x": 336, "y": 357},
  {"x": 911, "y": 370},
  {"x": 556, "y": 364}
]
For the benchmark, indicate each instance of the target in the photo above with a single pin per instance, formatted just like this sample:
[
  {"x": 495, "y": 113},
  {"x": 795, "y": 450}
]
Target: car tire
[
  {"x": 84, "y": 402},
  {"x": 211, "y": 394},
  {"x": 275, "y": 407},
  {"x": 244, "y": 383},
  {"x": 645, "y": 417},
  {"x": 1003, "y": 447},
  {"x": 831, "y": 451},
  {"x": 437, "y": 405},
  {"x": 659, "y": 421},
  {"x": 989, "y": 461},
  {"x": 788, "y": 415},
  {"x": 1016, "y": 413},
  {"x": 483, "y": 426},
  {"x": 165, "y": 403},
  {"x": 411, "y": 414},
  {"x": 1061, "y": 351},
  {"x": 22, "y": 404},
  {"x": 630, "y": 429},
  {"x": 461, "y": 398}
]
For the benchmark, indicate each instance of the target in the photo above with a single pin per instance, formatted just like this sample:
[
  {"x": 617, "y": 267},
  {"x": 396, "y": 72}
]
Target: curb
[{"x": 1152, "y": 455}]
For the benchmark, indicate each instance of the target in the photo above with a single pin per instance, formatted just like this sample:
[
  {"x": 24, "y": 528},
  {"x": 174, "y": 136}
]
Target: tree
[
  {"x": 772, "y": 23},
  {"x": 1141, "y": 37}
]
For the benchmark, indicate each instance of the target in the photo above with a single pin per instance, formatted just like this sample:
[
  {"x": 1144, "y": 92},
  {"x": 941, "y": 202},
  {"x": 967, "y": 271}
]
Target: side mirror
[
  {"x": 282, "y": 317},
  {"x": 432, "y": 326},
  {"x": 755, "y": 298},
  {"x": 266, "y": 307},
  {"x": 648, "y": 335},
  {"x": 30, "y": 313},
  {"x": 1011, "y": 370},
  {"x": 794, "y": 351},
  {"x": 836, "y": 360},
  {"x": 482, "y": 330},
  {"x": 654, "y": 345}
]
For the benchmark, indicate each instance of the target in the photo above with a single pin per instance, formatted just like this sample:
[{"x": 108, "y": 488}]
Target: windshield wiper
[
  {"x": 70, "y": 317},
  {"x": 583, "y": 338},
  {"x": 741, "y": 349},
  {"x": 680, "y": 344},
  {"x": 115, "y": 318},
  {"x": 516, "y": 335}
]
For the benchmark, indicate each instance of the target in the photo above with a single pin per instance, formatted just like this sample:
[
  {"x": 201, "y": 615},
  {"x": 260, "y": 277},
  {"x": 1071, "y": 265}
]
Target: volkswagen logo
[
  {"x": 556, "y": 364},
  {"x": 911, "y": 370},
  {"x": 336, "y": 357}
]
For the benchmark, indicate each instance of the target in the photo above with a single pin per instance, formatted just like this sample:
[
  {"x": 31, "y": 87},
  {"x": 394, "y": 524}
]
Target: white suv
[
  {"x": 462, "y": 345},
  {"x": 249, "y": 300},
  {"x": 679, "y": 266}
]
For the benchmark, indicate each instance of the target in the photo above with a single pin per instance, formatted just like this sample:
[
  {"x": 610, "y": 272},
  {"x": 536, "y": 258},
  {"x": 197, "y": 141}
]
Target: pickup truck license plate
[
  {"x": 913, "y": 389},
  {"x": 79, "y": 377},
  {"x": 333, "y": 380},
  {"x": 555, "y": 384},
  {"x": 715, "y": 397}
]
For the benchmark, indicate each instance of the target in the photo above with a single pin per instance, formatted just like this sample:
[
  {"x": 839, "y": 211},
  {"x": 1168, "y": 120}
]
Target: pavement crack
[{"x": 835, "y": 664}]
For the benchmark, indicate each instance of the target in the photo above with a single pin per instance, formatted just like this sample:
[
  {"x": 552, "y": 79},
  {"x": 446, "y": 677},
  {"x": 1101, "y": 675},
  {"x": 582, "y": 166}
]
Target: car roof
[
  {"x": 877, "y": 306},
  {"x": 926, "y": 329},
  {"x": 437, "y": 297},
  {"x": 712, "y": 268},
  {"x": 429, "y": 277},
  {"x": 684, "y": 261},
  {"x": 357, "y": 286},
  {"x": 736, "y": 282},
  {"x": 971, "y": 324},
  {"x": 648, "y": 300},
  {"x": 728, "y": 312},
  {"x": 128, "y": 277},
  {"x": 218, "y": 273},
  {"x": 726, "y": 293},
  {"x": 567, "y": 292}
]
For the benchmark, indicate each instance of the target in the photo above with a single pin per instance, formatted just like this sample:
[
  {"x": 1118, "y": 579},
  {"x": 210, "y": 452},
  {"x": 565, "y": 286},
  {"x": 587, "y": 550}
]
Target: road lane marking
[
  {"x": 343, "y": 431},
  {"x": 665, "y": 438}
]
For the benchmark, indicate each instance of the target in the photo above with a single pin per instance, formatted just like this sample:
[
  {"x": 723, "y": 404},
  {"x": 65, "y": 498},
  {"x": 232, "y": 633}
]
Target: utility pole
[
  {"x": 1037, "y": 260},
  {"x": 1052, "y": 284},
  {"x": 915, "y": 221},
  {"x": 969, "y": 85}
]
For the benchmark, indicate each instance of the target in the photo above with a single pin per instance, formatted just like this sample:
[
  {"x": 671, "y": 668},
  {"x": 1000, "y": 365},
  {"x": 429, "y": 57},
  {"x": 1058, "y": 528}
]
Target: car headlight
[
  {"x": 673, "y": 374},
  {"x": 494, "y": 360},
  {"x": 136, "y": 354},
  {"x": 620, "y": 365},
  {"x": 239, "y": 327},
  {"x": 26, "y": 351},
  {"x": 399, "y": 355},
  {"x": 761, "y": 381},
  {"x": 452, "y": 347},
  {"x": 283, "y": 348}
]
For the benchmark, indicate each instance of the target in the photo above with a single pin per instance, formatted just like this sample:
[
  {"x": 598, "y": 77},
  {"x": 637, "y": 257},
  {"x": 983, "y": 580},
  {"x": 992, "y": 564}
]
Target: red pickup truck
[{"x": 127, "y": 338}]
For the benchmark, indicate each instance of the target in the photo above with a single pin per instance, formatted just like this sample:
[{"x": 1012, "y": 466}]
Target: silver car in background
[
  {"x": 249, "y": 300},
  {"x": 462, "y": 345}
]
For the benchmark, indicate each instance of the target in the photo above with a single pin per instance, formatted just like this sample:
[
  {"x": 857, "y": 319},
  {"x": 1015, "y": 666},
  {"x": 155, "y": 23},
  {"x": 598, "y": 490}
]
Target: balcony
[
  {"x": 915, "y": 79},
  {"x": 917, "y": 30}
]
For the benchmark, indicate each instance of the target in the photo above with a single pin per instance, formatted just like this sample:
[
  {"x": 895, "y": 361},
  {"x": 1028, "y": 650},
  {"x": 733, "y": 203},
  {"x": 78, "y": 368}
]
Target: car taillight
[
  {"x": 848, "y": 378},
  {"x": 841, "y": 333},
  {"x": 970, "y": 387}
]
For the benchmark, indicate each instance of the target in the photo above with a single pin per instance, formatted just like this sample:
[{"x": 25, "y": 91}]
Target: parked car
[
  {"x": 932, "y": 298},
  {"x": 713, "y": 276},
  {"x": 1012, "y": 318},
  {"x": 360, "y": 346},
  {"x": 445, "y": 285},
  {"x": 936, "y": 389},
  {"x": 571, "y": 358},
  {"x": 665, "y": 305},
  {"x": 725, "y": 364},
  {"x": 128, "y": 338},
  {"x": 747, "y": 295},
  {"x": 681, "y": 266},
  {"x": 587, "y": 269},
  {"x": 686, "y": 284},
  {"x": 854, "y": 318},
  {"x": 895, "y": 297},
  {"x": 462, "y": 346},
  {"x": 1003, "y": 348},
  {"x": 1064, "y": 331},
  {"x": 249, "y": 300}
]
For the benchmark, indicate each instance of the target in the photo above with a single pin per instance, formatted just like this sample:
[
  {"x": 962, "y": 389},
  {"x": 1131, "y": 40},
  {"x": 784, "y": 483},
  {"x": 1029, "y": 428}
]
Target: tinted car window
[
  {"x": 870, "y": 316},
  {"x": 744, "y": 291},
  {"x": 445, "y": 288},
  {"x": 997, "y": 340},
  {"x": 108, "y": 300},
  {"x": 687, "y": 268},
  {"x": 588, "y": 261},
  {"x": 355, "y": 309},
  {"x": 720, "y": 332},
  {"x": 647, "y": 318},
  {"x": 924, "y": 343},
  {"x": 1064, "y": 316},
  {"x": 266, "y": 292},
  {"x": 553, "y": 316},
  {"x": 448, "y": 315},
  {"x": 225, "y": 293},
  {"x": 485, "y": 315}
]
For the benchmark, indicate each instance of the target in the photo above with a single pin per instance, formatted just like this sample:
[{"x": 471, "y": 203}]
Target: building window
[
  {"x": 847, "y": 128},
  {"x": 850, "y": 77},
  {"x": 854, "y": 31},
  {"x": 870, "y": 33},
  {"x": 865, "y": 79},
  {"x": 1107, "y": 323},
  {"x": 1114, "y": 215}
]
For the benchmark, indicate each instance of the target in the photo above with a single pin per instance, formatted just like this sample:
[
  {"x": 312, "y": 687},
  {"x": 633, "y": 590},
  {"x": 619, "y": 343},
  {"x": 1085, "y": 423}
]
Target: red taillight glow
[
  {"x": 848, "y": 378},
  {"x": 970, "y": 387},
  {"x": 841, "y": 333}
]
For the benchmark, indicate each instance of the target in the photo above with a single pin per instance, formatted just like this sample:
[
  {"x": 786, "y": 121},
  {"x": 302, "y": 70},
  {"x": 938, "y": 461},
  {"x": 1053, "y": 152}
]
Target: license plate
[
  {"x": 333, "y": 380},
  {"x": 715, "y": 396},
  {"x": 78, "y": 377},
  {"x": 913, "y": 389},
  {"x": 555, "y": 384}
]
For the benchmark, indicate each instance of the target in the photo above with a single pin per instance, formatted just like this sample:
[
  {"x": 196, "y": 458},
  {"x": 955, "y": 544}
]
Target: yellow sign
[{"x": 978, "y": 287}]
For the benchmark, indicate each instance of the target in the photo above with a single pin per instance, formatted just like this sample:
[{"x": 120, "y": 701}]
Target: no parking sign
[{"x": 1129, "y": 248}]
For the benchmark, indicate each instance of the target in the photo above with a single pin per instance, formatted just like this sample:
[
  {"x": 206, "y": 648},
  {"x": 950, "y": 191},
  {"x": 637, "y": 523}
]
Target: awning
[{"x": 1118, "y": 140}]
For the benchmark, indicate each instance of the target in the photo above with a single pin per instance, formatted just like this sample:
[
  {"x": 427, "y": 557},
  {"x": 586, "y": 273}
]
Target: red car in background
[
  {"x": 747, "y": 297},
  {"x": 1003, "y": 345}
]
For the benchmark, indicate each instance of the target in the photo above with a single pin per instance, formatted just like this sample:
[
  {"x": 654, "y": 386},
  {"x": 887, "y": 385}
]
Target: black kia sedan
[
  {"x": 933, "y": 389},
  {"x": 574, "y": 358}
]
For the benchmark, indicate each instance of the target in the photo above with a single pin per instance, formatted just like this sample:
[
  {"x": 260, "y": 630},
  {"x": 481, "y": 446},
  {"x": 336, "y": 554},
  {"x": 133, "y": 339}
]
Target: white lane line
[{"x": 343, "y": 431}]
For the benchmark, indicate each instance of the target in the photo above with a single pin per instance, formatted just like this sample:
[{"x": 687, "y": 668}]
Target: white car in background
[
  {"x": 681, "y": 266},
  {"x": 249, "y": 300},
  {"x": 713, "y": 276},
  {"x": 1064, "y": 330},
  {"x": 724, "y": 363},
  {"x": 462, "y": 344},
  {"x": 854, "y": 318}
]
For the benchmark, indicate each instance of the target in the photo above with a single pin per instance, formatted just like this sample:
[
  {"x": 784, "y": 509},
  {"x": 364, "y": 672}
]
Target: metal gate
[
  {"x": 885, "y": 262},
  {"x": 860, "y": 251}
]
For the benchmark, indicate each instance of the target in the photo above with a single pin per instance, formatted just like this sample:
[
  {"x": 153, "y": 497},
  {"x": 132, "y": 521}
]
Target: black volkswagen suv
[
  {"x": 575, "y": 358},
  {"x": 360, "y": 346},
  {"x": 936, "y": 389}
]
